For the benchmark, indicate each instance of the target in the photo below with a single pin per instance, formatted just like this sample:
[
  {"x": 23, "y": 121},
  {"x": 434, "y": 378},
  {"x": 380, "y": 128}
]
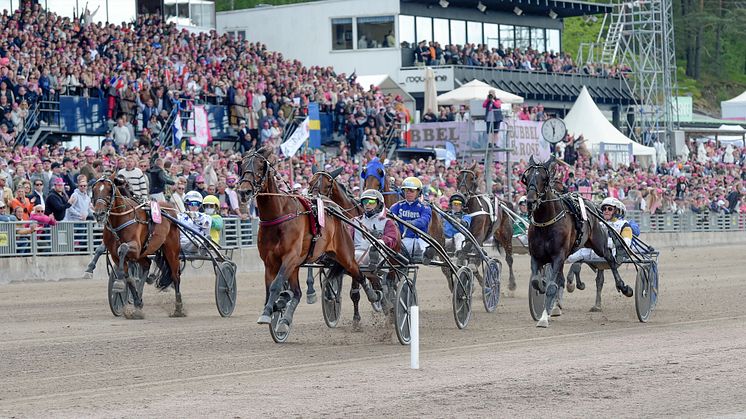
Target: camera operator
[{"x": 493, "y": 111}]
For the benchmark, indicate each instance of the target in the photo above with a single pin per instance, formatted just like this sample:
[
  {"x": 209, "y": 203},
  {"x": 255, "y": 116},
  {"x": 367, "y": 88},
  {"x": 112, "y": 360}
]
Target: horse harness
[{"x": 133, "y": 210}]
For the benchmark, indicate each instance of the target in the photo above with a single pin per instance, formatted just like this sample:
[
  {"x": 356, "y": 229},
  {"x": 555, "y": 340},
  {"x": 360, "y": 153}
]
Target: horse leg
[
  {"x": 171, "y": 256},
  {"x": 557, "y": 309},
  {"x": 347, "y": 261},
  {"x": 287, "y": 318},
  {"x": 119, "y": 283},
  {"x": 552, "y": 290},
  {"x": 310, "y": 291},
  {"x": 100, "y": 250},
  {"x": 599, "y": 286},
  {"x": 620, "y": 285},
  {"x": 275, "y": 288},
  {"x": 574, "y": 273},
  {"x": 506, "y": 241}
]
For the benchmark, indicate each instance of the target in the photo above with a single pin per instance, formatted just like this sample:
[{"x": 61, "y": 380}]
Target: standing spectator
[
  {"x": 80, "y": 203},
  {"x": 177, "y": 198},
  {"x": 69, "y": 174},
  {"x": 158, "y": 180},
  {"x": 121, "y": 134},
  {"x": 6, "y": 194},
  {"x": 37, "y": 194},
  {"x": 135, "y": 178},
  {"x": 57, "y": 201}
]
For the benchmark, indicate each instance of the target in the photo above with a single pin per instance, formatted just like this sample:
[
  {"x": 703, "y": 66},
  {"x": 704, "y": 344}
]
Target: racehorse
[
  {"x": 374, "y": 177},
  {"x": 555, "y": 231},
  {"x": 131, "y": 236},
  {"x": 486, "y": 221},
  {"x": 288, "y": 236},
  {"x": 324, "y": 184}
]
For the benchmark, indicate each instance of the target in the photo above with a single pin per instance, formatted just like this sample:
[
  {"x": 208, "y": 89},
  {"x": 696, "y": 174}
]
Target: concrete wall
[{"x": 55, "y": 268}]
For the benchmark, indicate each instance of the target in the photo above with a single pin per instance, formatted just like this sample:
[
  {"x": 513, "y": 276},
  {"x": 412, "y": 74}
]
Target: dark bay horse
[
  {"x": 553, "y": 235},
  {"x": 374, "y": 177},
  {"x": 288, "y": 238},
  {"x": 487, "y": 221},
  {"x": 324, "y": 184},
  {"x": 131, "y": 236}
]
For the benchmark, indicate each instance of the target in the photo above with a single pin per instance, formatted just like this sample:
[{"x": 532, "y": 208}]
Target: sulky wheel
[
  {"x": 491, "y": 285},
  {"x": 644, "y": 293},
  {"x": 406, "y": 297},
  {"x": 462, "y": 288},
  {"x": 654, "y": 284},
  {"x": 331, "y": 297},
  {"x": 225, "y": 287},
  {"x": 117, "y": 299},
  {"x": 280, "y": 335},
  {"x": 536, "y": 299}
]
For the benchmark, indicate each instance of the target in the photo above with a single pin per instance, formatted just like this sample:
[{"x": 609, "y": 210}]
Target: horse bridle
[
  {"x": 255, "y": 187},
  {"x": 110, "y": 206},
  {"x": 463, "y": 183},
  {"x": 531, "y": 185},
  {"x": 331, "y": 183}
]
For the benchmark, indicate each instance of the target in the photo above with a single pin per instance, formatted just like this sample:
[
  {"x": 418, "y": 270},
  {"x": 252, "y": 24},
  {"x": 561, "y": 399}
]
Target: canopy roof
[
  {"x": 738, "y": 99},
  {"x": 476, "y": 90},
  {"x": 585, "y": 118}
]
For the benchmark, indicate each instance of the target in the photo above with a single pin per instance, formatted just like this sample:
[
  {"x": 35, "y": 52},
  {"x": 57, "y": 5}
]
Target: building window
[
  {"x": 458, "y": 32},
  {"x": 538, "y": 39},
  {"x": 341, "y": 34},
  {"x": 553, "y": 40},
  {"x": 441, "y": 32},
  {"x": 522, "y": 37},
  {"x": 474, "y": 32},
  {"x": 376, "y": 32},
  {"x": 424, "y": 28},
  {"x": 507, "y": 38},
  {"x": 491, "y": 35},
  {"x": 406, "y": 31}
]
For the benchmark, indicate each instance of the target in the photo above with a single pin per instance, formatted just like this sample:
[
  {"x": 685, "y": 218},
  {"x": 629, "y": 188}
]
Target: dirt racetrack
[{"x": 62, "y": 353}]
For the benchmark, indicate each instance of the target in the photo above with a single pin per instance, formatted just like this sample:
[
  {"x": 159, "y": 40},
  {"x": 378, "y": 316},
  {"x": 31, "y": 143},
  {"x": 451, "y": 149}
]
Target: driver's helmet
[
  {"x": 457, "y": 198},
  {"x": 372, "y": 194},
  {"x": 611, "y": 202},
  {"x": 412, "y": 183},
  {"x": 211, "y": 203},
  {"x": 192, "y": 199},
  {"x": 522, "y": 200}
]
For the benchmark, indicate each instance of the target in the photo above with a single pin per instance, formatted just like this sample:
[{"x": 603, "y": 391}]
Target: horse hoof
[
  {"x": 377, "y": 306},
  {"x": 264, "y": 319},
  {"x": 118, "y": 286},
  {"x": 138, "y": 314},
  {"x": 570, "y": 287},
  {"x": 87, "y": 275},
  {"x": 595, "y": 309},
  {"x": 511, "y": 286},
  {"x": 129, "y": 311},
  {"x": 556, "y": 311},
  {"x": 627, "y": 291},
  {"x": 311, "y": 298},
  {"x": 356, "y": 327},
  {"x": 543, "y": 323},
  {"x": 535, "y": 285}
]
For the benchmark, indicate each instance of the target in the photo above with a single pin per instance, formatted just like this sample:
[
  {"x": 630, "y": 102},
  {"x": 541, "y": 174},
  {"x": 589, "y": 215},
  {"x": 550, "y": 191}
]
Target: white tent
[
  {"x": 387, "y": 85},
  {"x": 734, "y": 108},
  {"x": 736, "y": 139},
  {"x": 476, "y": 90},
  {"x": 585, "y": 118}
]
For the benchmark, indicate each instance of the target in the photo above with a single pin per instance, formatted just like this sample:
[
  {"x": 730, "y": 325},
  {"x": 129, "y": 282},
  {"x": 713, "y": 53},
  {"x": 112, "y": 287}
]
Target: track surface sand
[{"x": 62, "y": 354}]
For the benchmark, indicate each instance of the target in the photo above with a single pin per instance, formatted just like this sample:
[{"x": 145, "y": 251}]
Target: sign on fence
[{"x": 525, "y": 139}]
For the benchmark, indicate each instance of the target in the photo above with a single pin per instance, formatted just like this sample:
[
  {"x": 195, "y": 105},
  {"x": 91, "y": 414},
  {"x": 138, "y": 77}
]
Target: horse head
[
  {"x": 255, "y": 171},
  {"x": 322, "y": 182},
  {"x": 467, "y": 180},
  {"x": 103, "y": 195},
  {"x": 537, "y": 179},
  {"x": 374, "y": 176}
]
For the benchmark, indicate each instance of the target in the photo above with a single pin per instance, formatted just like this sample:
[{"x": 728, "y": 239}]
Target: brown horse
[
  {"x": 324, "y": 184},
  {"x": 554, "y": 234},
  {"x": 374, "y": 177},
  {"x": 131, "y": 236},
  {"x": 487, "y": 221},
  {"x": 288, "y": 238}
]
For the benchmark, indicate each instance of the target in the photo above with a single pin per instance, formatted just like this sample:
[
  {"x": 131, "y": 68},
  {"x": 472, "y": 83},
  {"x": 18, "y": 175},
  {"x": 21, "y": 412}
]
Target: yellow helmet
[
  {"x": 211, "y": 199},
  {"x": 411, "y": 183}
]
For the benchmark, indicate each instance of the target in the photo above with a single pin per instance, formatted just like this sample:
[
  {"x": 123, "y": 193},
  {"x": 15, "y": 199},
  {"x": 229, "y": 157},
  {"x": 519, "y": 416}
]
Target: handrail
[{"x": 31, "y": 120}]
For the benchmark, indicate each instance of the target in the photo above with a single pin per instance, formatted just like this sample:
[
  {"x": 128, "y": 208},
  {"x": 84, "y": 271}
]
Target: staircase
[
  {"x": 42, "y": 120},
  {"x": 610, "y": 49}
]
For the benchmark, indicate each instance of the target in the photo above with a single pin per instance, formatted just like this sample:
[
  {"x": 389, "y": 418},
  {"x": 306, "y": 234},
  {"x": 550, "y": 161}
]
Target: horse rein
[
  {"x": 332, "y": 181},
  {"x": 261, "y": 185},
  {"x": 110, "y": 206},
  {"x": 531, "y": 185}
]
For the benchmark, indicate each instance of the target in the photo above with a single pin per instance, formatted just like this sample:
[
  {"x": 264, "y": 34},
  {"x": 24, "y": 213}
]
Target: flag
[
  {"x": 314, "y": 125},
  {"x": 293, "y": 143},
  {"x": 450, "y": 153},
  {"x": 178, "y": 132}
]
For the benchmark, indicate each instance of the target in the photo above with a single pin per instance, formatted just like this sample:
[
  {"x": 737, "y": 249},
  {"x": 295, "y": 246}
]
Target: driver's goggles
[
  {"x": 209, "y": 206},
  {"x": 457, "y": 202},
  {"x": 193, "y": 204},
  {"x": 607, "y": 208},
  {"x": 367, "y": 201}
]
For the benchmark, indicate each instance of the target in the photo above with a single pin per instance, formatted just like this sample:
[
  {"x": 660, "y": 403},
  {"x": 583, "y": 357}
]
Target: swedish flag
[{"x": 314, "y": 125}]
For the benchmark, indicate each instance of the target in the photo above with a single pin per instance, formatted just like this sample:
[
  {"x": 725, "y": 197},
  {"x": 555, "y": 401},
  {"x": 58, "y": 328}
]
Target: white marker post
[{"x": 414, "y": 332}]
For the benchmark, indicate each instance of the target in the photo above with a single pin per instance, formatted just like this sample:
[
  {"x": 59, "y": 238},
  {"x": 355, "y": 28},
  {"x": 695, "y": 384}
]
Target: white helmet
[
  {"x": 192, "y": 197},
  {"x": 613, "y": 202},
  {"x": 621, "y": 207}
]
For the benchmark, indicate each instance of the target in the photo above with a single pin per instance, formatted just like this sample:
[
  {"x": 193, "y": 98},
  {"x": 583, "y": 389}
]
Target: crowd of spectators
[
  {"x": 500, "y": 58},
  {"x": 147, "y": 67}
]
